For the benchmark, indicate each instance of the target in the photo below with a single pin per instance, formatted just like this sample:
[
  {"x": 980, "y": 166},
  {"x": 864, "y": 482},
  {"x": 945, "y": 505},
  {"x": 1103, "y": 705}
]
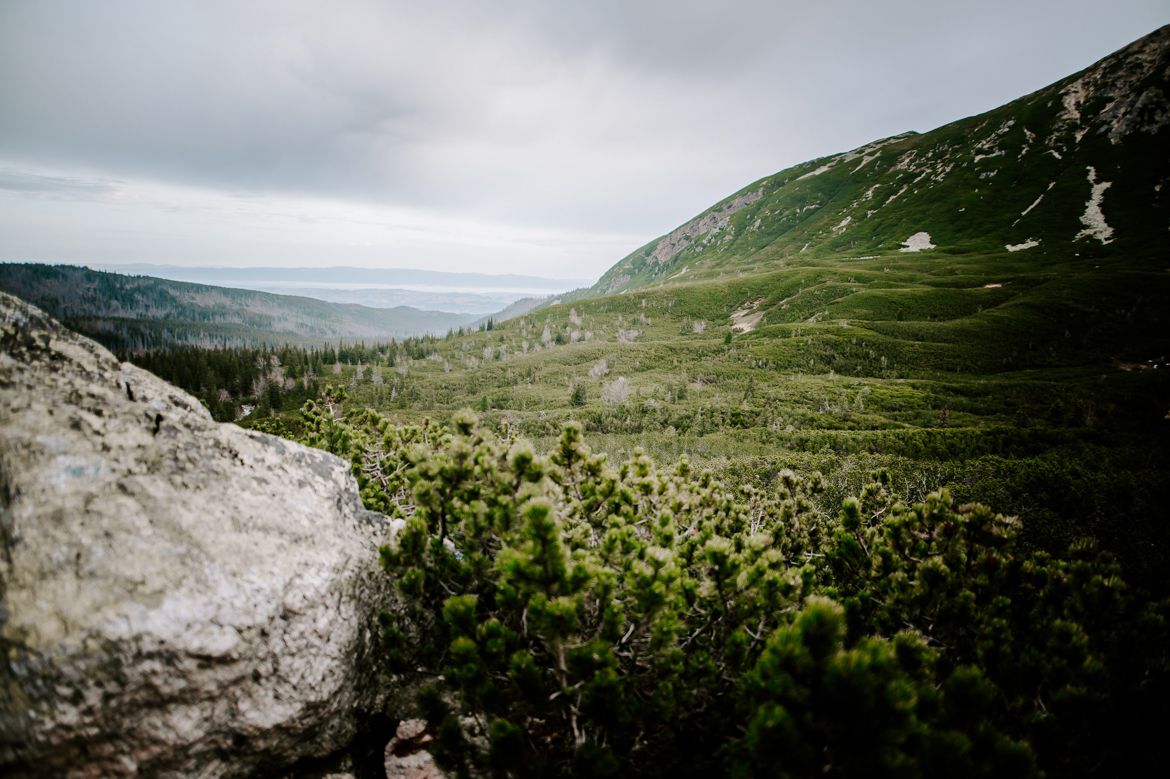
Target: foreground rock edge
[{"x": 177, "y": 596}]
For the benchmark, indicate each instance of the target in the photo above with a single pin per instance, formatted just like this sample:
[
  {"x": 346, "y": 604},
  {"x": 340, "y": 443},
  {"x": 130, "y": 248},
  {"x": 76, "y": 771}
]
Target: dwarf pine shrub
[{"x": 576, "y": 617}]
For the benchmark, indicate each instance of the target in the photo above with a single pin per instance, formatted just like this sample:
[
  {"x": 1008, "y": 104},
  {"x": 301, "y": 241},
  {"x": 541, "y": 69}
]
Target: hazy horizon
[
  {"x": 427, "y": 290},
  {"x": 470, "y": 137},
  {"x": 459, "y": 293}
]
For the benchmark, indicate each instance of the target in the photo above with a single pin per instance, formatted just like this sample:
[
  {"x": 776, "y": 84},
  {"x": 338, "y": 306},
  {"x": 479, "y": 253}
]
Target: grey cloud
[
  {"x": 611, "y": 115},
  {"x": 64, "y": 187}
]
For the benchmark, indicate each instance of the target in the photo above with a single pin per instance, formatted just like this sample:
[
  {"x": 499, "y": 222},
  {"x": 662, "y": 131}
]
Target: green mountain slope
[
  {"x": 1080, "y": 165},
  {"x": 137, "y": 313}
]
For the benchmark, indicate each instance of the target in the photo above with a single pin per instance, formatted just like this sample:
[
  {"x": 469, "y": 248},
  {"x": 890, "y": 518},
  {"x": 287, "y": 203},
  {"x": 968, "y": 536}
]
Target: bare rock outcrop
[
  {"x": 717, "y": 218},
  {"x": 177, "y": 597}
]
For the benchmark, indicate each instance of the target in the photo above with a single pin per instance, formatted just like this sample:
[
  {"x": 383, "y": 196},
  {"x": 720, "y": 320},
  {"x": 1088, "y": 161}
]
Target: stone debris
[{"x": 1094, "y": 219}]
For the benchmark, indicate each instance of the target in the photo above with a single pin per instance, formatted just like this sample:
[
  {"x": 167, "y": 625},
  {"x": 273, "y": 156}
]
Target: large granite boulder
[{"x": 177, "y": 597}]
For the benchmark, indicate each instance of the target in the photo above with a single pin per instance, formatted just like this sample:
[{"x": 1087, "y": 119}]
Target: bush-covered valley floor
[{"x": 751, "y": 550}]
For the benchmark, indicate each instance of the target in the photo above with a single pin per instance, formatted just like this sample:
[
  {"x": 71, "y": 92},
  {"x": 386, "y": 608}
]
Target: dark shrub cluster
[{"x": 572, "y": 616}]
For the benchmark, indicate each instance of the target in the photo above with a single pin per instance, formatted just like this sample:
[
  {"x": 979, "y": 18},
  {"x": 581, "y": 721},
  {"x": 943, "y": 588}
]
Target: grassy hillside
[
  {"x": 140, "y": 313},
  {"x": 1076, "y": 168}
]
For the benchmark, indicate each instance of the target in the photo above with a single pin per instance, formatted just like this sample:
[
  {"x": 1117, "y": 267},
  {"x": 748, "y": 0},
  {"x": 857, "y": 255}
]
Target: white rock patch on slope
[
  {"x": 917, "y": 243},
  {"x": 1073, "y": 96},
  {"x": 1035, "y": 203},
  {"x": 828, "y": 166},
  {"x": 868, "y": 153},
  {"x": 745, "y": 318},
  {"x": 1019, "y": 247},
  {"x": 865, "y": 161},
  {"x": 989, "y": 146},
  {"x": 896, "y": 195},
  {"x": 1094, "y": 219}
]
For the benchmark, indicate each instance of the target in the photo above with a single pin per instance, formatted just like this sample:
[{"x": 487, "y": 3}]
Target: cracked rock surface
[{"x": 177, "y": 597}]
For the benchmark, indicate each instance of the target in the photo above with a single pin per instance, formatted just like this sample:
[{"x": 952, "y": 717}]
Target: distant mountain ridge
[
  {"x": 347, "y": 274},
  {"x": 1081, "y": 165},
  {"x": 481, "y": 294},
  {"x": 141, "y": 313}
]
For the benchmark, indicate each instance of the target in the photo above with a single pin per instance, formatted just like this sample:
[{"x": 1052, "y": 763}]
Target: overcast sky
[{"x": 538, "y": 137}]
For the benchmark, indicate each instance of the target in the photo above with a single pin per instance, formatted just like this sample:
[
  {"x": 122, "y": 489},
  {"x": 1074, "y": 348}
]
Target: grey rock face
[{"x": 177, "y": 597}]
